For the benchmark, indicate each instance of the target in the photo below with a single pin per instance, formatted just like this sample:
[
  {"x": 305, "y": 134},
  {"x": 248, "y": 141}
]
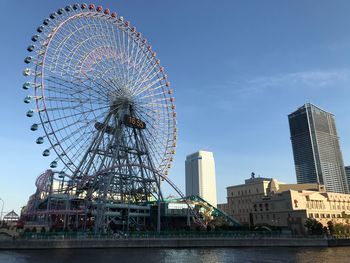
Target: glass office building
[
  {"x": 316, "y": 150},
  {"x": 347, "y": 173}
]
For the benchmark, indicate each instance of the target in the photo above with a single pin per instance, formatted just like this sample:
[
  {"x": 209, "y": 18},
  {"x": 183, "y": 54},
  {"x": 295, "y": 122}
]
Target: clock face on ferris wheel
[{"x": 84, "y": 65}]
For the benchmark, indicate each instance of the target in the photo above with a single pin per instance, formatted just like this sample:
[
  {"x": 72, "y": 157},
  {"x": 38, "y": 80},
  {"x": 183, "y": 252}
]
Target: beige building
[
  {"x": 291, "y": 207},
  {"x": 264, "y": 201},
  {"x": 240, "y": 198}
]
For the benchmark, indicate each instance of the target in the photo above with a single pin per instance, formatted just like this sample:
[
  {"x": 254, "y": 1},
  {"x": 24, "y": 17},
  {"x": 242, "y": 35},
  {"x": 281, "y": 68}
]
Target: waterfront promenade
[{"x": 169, "y": 242}]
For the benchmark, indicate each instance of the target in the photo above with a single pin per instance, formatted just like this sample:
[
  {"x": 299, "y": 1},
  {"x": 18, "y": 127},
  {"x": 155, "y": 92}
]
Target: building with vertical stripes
[
  {"x": 200, "y": 176},
  {"x": 316, "y": 149}
]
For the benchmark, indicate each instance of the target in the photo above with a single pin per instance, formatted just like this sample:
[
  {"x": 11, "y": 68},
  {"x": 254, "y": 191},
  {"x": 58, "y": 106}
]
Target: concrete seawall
[{"x": 165, "y": 243}]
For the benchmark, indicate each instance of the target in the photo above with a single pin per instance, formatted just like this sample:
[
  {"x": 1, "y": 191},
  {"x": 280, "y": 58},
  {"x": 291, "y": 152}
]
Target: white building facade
[{"x": 200, "y": 176}]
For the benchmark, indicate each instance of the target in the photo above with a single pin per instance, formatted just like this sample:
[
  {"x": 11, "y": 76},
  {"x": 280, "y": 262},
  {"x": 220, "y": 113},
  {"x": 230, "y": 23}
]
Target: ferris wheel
[{"x": 100, "y": 93}]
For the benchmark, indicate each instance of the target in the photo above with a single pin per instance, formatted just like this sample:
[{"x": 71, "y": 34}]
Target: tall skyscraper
[
  {"x": 200, "y": 176},
  {"x": 316, "y": 149},
  {"x": 347, "y": 174}
]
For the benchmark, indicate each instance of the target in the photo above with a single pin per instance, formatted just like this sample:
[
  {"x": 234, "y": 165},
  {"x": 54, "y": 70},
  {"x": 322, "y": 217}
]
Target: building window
[
  {"x": 295, "y": 202},
  {"x": 267, "y": 207},
  {"x": 311, "y": 215},
  {"x": 257, "y": 190}
]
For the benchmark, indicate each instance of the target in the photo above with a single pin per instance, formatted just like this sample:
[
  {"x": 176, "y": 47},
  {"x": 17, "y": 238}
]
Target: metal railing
[{"x": 164, "y": 235}]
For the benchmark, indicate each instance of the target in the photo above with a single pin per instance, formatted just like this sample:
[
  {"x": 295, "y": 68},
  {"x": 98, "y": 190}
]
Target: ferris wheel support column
[{"x": 159, "y": 217}]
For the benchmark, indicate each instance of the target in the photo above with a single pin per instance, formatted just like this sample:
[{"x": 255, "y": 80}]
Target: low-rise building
[
  {"x": 240, "y": 198},
  {"x": 267, "y": 202},
  {"x": 291, "y": 208},
  {"x": 223, "y": 207}
]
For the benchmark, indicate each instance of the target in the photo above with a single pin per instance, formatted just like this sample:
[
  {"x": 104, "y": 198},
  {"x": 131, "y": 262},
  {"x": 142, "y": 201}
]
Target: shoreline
[{"x": 20, "y": 244}]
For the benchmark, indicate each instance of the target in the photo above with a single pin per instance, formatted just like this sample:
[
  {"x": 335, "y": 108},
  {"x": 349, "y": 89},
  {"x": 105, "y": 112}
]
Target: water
[{"x": 271, "y": 255}]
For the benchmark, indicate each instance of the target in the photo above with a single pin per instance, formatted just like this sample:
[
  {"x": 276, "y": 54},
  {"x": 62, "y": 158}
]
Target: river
[{"x": 278, "y": 254}]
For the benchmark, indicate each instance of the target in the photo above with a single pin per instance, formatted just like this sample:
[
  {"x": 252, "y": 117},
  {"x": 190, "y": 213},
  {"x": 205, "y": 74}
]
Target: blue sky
[{"x": 237, "y": 68}]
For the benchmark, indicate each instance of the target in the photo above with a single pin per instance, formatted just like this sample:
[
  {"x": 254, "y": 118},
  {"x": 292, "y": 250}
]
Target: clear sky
[{"x": 237, "y": 68}]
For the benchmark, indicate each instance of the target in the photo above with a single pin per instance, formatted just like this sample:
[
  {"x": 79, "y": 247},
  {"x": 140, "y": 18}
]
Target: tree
[{"x": 313, "y": 226}]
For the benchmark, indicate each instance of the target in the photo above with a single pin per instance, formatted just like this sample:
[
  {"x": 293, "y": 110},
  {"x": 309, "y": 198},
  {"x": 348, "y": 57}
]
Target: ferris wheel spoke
[
  {"x": 157, "y": 155},
  {"x": 132, "y": 55},
  {"x": 79, "y": 88},
  {"x": 113, "y": 39},
  {"x": 64, "y": 139},
  {"x": 107, "y": 42},
  {"x": 150, "y": 125},
  {"x": 150, "y": 95},
  {"x": 138, "y": 63},
  {"x": 146, "y": 83},
  {"x": 125, "y": 52},
  {"x": 151, "y": 70},
  {"x": 148, "y": 86},
  {"x": 84, "y": 138},
  {"x": 71, "y": 135},
  {"x": 121, "y": 55},
  {"x": 81, "y": 120},
  {"x": 139, "y": 53},
  {"x": 79, "y": 113},
  {"x": 140, "y": 73},
  {"x": 100, "y": 86},
  {"x": 72, "y": 99}
]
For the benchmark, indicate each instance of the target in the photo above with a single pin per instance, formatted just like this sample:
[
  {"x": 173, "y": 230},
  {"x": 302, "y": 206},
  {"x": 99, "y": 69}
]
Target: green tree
[{"x": 313, "y": 227}]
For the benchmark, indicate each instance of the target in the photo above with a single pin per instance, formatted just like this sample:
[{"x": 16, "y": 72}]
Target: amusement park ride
[{"x": 107, "y": 111}]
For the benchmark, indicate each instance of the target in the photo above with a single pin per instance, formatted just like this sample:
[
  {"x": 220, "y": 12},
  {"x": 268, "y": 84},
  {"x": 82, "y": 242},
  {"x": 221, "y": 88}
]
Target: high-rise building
[
  {"x": 347, "y": 174},
  {"x": 200, "y": 176},
  {"x": 316, "y": 149}
]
